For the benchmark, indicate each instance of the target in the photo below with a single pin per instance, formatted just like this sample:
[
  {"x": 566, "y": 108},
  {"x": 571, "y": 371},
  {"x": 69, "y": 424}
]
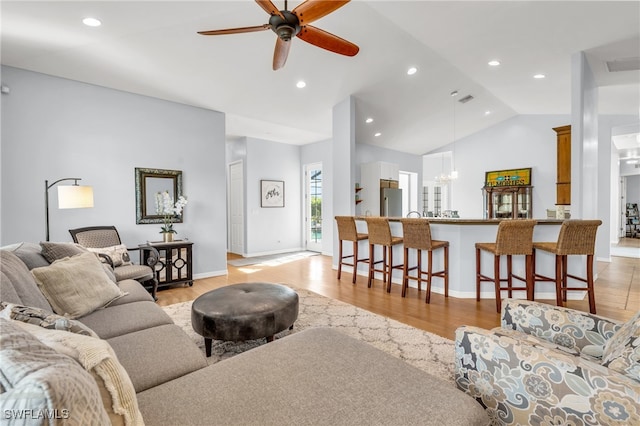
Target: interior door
[
  {"x": 313, "y": 207},
  {"x": 236, "y": 208}
]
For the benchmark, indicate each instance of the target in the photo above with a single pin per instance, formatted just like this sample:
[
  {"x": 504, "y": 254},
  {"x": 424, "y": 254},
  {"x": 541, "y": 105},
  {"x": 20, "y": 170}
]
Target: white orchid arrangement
[{"x": 169, "y": 211}]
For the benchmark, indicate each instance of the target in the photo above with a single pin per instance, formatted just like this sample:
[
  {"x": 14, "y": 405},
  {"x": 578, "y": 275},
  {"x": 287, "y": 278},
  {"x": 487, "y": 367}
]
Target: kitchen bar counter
[{"x": 462, "y": 235}]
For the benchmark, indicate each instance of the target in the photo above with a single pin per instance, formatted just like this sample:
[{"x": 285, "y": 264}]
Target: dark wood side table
[{"x": 174, "y": 264}]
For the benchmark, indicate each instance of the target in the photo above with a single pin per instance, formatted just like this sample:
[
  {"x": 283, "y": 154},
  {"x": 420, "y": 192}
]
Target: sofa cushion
[
  {"x": 122, "y": 319},
  {"x": 42, "y": 318},
  {"x": 98, "y": 359},
  {"x": 30, "y": 254},
  {"x": 318, "y": 376},
  {"x": 15, "y": 274},
  {"x": 36, "y": 377},
  {"x": 135, "y": 293},
  {"x": 119, "y": 254},
  {"x": 622, "y": 351},
  {"x": 76, "y": 286},
  {"x": 133, "y": 272},
  {"x": 156, "y": 355},
  {"x": 56, "y": 251}
]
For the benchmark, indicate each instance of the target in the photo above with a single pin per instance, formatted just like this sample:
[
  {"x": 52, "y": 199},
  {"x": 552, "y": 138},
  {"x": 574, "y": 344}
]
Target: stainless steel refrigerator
[{"x": 391, "y": 202}]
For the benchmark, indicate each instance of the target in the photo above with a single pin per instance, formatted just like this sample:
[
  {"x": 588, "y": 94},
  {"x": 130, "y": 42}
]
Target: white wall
[
  {"x": 54, "y": 128},
  {"x": 633, "y": 189},
  {"x": 273, "y": 230},
  {"x": 519, "y": 142}
]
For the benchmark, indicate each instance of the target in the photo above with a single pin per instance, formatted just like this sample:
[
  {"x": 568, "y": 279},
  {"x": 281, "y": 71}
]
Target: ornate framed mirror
[{"x": 150, "y": 182}]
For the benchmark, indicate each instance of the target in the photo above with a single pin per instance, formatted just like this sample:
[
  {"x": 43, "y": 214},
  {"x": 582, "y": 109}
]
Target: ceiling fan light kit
[{"x": 289, "y": 24}]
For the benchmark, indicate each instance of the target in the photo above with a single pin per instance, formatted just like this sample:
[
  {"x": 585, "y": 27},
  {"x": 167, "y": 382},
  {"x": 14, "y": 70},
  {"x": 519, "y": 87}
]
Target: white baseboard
[{"x": 210, "y": 274}]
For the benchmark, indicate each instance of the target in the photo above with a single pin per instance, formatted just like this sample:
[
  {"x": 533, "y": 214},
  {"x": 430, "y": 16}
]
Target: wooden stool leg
[
  {"x": 371, "y": 265},
  {"x": 559, "y": 281},
  {"x": 590, "y": 289},
  {"x": 565, "y": 279},
  {"x": 529, "y": 276},
  {"x": 405, "y": 272},
  {"x": 496, "y": 280},
  {"x": 419, "y": 270},
  {"x": 510, "y": 275},
  {"x": 340, "y": 259},
  {"x": 390, "y": 269},
  {"x": 477, "y": 274},
  {"x": 446, "y": 271},
  {"x": 429, "y": 275},
  {"x": 384, "y": 264},
  {"x": 355, "y": 261}
]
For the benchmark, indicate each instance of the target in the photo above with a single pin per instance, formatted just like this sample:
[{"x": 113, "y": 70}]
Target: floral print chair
[{"x": 552, "y": 365}]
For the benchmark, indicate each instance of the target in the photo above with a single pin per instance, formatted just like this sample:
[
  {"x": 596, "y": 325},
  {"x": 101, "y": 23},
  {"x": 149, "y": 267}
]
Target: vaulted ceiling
[{"x": 152, "y": 48}]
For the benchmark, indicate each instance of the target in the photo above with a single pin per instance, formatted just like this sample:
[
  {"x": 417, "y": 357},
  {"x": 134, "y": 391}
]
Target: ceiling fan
[{"x": 289, "y": 24}]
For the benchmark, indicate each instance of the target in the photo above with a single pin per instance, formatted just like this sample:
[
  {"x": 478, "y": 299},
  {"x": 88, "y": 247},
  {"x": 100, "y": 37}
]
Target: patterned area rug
[{"x": 424, "y": 350}]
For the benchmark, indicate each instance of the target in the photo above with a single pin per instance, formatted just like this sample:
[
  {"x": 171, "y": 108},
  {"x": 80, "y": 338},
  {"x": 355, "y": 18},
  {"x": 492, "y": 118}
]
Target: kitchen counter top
[{"x": 461, "y": 221}]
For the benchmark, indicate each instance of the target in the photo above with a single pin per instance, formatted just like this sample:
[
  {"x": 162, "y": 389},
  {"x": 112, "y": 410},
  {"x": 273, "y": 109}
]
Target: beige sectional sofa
[{"x": 145, "y": 369}]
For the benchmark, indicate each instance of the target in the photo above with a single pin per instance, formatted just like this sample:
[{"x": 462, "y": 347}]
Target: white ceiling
[{"x": 151, "y": 48}]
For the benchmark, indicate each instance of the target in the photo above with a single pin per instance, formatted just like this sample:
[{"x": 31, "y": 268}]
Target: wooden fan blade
[
  {"x": 327, "y": 41},
  {"x": 312, "y": 10},
  {"x": 236, "y": 30},
  {"x": 269, "y": 7},
  {"x": 281, "y": 53}
]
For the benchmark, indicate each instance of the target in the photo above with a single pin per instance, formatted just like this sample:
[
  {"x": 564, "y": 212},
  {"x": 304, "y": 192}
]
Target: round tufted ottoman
[{"x": 244, "y": 312}]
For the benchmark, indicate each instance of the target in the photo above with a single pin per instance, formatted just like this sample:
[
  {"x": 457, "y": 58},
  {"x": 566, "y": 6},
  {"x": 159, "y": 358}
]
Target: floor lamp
[{"x": 69, "y": 197}]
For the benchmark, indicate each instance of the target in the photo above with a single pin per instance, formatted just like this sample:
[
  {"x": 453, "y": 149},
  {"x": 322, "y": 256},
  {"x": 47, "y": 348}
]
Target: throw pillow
[
  {"x": 35, "y": 377},
  {"x": 55, "y": 251},
  {"x": 44, "y": 319},
  {"x": 76, "y": 286},
  {"x": 119, "y": 254},
  {"x": 622, "y": 351},
  {"x": 97, "y": 358}
]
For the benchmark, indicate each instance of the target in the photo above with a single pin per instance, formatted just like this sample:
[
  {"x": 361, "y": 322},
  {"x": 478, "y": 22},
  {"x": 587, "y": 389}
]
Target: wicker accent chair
[
  {"x": 515, "y": 237},
  {"x": 347, "y": 231},
  {"x": 416, "y": 234},
  {"x": 99, "y": 237},
  {"x": 576, "y": 237},
  {"x": 380, "y": 234}
]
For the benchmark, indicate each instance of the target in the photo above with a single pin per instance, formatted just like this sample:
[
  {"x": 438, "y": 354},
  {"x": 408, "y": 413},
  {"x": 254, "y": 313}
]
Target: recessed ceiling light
[
  {"x": 494, "y": 63},
  {"x": 377, "y": 134},
  {"x": 369, "y": 120},
  {"x": 487, "y": 113},
  {"x": 300, "y": 84},
  {"x": 412, "y": 70},
  {"x": 454, "y": 93},
  {"x": 91, "y": 22},
  {"x": 539, "y": 76}
]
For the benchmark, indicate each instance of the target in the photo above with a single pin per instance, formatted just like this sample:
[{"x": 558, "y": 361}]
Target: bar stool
[
  {"x": 515, "y": 237},
  {"x": 380, "y": 234},
  {"x": 576, "y": 237},
  {"x": 416, "y": 234},
  {"x": 347, "y": 231}
]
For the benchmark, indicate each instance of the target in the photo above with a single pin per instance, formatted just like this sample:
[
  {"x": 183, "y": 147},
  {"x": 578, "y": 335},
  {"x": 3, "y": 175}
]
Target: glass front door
[{"x": 313, "y": 210}]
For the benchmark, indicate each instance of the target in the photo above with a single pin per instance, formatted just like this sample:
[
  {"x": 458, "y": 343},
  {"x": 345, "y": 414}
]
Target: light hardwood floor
[{"x": 617, "y": 293}]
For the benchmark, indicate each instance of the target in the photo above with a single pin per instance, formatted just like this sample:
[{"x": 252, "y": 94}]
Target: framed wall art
[{"x": 271, "y": 193}]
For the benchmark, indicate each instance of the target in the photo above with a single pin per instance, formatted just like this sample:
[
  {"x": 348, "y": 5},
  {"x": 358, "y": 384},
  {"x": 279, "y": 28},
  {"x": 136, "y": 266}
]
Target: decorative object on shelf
[
  {"x": 271, "y": 193},
  {"x": 69, "y": 197},
  {"x": 508, "y": 194},
  {"x": 169, "y": 211},
  {"x": 148, "y": 182}
]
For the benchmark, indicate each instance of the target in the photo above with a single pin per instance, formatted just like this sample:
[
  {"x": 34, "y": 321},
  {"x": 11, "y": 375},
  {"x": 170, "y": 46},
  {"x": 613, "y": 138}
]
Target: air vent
[
  {"x": 466, "y": 99},
  {"x": 627, "y": 64}
]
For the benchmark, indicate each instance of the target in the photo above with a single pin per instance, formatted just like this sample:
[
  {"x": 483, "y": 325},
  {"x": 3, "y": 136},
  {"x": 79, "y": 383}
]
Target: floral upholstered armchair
[{"x": 552, "y": 365}]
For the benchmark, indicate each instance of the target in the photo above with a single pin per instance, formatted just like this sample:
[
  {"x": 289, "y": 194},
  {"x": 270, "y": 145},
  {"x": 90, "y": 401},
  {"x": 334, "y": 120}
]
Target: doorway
[
  {"x": 236, "y": 208},
  {"x": 313, "y": 207}
]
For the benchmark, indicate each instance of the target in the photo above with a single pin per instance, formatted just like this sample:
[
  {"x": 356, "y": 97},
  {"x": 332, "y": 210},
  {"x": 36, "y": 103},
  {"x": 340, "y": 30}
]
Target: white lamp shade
[{"x": 75, "y": 197}]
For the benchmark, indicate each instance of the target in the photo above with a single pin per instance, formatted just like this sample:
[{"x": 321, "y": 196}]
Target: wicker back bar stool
[
  {"x": 380, "y": 234},
  {"x": 515, "y": 237},
  {"x": 576, "y": 237},
  {"x": 347, "y": 231},
  {"x": 416, "y": 234}
]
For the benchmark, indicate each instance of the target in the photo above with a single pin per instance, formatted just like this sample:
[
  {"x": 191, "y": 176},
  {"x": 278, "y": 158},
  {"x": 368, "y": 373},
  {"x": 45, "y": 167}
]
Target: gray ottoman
[{"x": 244, "y": 312}]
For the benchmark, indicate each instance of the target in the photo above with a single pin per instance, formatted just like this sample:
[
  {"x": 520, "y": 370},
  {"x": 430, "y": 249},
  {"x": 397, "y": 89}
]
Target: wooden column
[{"x": 563, "y": 176}]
